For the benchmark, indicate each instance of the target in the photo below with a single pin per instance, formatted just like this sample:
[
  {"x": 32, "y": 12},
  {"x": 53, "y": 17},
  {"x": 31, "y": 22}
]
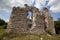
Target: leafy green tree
[
  {"x": 57, "y": 26},
  {"x": 3, "y": 24}
]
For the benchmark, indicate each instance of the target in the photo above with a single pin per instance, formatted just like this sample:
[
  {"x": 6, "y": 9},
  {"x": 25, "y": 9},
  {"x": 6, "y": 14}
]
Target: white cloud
[
  {"x": 55, "y": 8},
  {"x": 20, "y": 2},
  {"x": 6, "y": 5},
  {"x": 51, "y": 2},
  {"x": 55, "y": 5},
  {"x": 11, "y": 3}
]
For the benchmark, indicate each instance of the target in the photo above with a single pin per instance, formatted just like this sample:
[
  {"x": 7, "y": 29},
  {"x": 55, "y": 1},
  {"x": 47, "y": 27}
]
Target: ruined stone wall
[
  {"x": 29, "y": 24},
  {"x": 40, "y": 20},
  {"x": 51, "y": 25},
  {"x": 19, "y": 23},
  {"x": 37, "y": 22},
  {"x": 49, "y": 21},
  {"x": 18, "y": 20}
]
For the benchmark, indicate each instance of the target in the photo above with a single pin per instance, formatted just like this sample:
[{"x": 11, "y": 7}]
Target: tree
[
  {"x": 3, "y": 24},
  {"x": 57, "y": 26}
]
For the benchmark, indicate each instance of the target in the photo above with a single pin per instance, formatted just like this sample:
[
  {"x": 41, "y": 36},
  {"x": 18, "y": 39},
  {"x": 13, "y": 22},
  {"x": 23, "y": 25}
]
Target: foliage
[
  {"x": 3, "y": 24},
  {"x": 57, "y": 26}
]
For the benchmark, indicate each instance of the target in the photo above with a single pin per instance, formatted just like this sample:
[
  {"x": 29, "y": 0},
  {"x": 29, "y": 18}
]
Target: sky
[{"x": 7, "y": 5}]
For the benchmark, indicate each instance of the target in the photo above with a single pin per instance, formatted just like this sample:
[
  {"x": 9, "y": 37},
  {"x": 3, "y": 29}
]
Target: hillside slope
[{"x": 26, "y": 36}]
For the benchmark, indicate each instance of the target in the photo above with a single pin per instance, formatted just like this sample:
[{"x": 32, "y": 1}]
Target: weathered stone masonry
[{"x": 19, "y": 23}]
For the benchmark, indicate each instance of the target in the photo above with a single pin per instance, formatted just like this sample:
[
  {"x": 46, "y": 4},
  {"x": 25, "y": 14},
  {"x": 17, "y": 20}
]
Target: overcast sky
[{"x": 52, "y": 5}]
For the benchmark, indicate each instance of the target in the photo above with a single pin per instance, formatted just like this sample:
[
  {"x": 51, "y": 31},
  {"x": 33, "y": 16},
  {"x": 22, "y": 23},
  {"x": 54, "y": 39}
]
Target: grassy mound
[{"x": 24, "y": 36}]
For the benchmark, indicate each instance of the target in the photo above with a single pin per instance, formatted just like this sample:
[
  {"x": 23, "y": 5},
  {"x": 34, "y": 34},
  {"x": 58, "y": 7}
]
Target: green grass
[
  {"x": 26, "y": 36},
  {"x": 2, "y": 31}
]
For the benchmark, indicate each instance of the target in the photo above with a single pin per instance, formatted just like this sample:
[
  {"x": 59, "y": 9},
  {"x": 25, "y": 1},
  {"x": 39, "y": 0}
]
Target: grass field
[
  {"x": 26, "y": 36},
  {"x": 2, "y": 31}
]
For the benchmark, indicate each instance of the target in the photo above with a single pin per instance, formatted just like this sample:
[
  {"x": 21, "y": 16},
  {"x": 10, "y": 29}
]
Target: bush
[
  {"x": 3, "y": 24},
  {"x": 57, "y": 26}
]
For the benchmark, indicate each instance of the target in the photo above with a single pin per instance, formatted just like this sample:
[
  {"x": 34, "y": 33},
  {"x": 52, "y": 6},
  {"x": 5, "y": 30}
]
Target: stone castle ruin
[{"x": 20, "y": 22}]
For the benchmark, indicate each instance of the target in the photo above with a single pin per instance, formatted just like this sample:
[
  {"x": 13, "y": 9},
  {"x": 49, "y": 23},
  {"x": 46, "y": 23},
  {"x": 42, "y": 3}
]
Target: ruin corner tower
[{"x": 49, "y": 21}]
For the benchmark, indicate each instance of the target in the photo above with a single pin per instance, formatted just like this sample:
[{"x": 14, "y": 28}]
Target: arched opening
[
  {"x": 29, "y": 20},
  {"x": 29, "y": 15}
]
